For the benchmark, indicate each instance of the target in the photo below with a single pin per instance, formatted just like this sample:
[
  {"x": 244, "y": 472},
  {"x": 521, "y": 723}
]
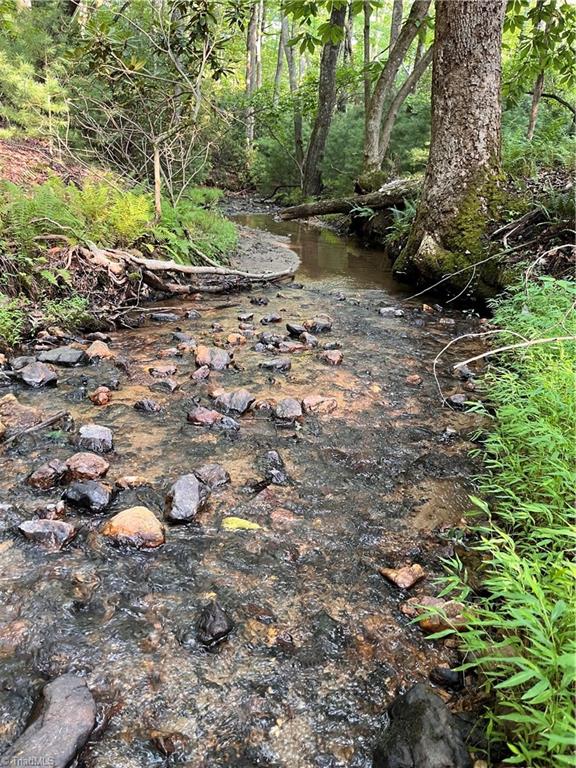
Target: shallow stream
[{"x": 320, "y": 645}]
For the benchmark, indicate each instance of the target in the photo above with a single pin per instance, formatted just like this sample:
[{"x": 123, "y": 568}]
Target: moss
[{"x": 372, "y": 181}]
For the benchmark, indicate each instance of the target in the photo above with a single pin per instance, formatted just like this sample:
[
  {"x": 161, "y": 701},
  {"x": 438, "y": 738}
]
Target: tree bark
[
  {"x": 399, "y": 99},
  {"x": 157, "y": 184},
  {"x": 461, "y": 181},
  {"x": 396, "y": 23},
  {"x": 282, "y": 40},
  {"x": 367, "y": 55},
  {"x": 297, "y": 110},
  {"x": 534, "y": 107},
  {"x": 391, "y": 194},
  {"x": 312, "y": 180},
  {"x": 385, "y": 83},
  {"x": 347, "y": 54},
  {"x": 251, "y": 68}
]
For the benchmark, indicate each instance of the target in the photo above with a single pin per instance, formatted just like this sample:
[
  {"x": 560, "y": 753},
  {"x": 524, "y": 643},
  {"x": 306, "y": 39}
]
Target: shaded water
[{"x": 320, "y": 645}]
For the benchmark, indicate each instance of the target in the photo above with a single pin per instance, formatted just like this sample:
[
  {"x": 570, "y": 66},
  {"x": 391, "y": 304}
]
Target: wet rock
[
  {"x": 447, "y": 321},
  {"x": 259, "y": 347},
  {"x": 291, "y": 347},
  {"x": 147, "y": 406},
  {"x": 48, "y": 475},
  {"x": 86, "y": 466},
  {"x": 246, "y": 326},
  {"x": 444, "y": 677},
  {"x": 413, "y": 380},
  {"x": 422, "y": 733},
  {"x": 457, "y": 401},
  {"x": 99, "y": 350},
  {"x": 434, "y": 614},
  {"x": 331, "y": 345},
  {"x": 98, "y": 336},
  {"x": 96, "y": 438},
  {"x": 295, "y": 329},
  {"x": 202, "y": 373},
  {"x": 217, "y": 327},
  {"x": 270, "y": 339},
  {"x": 275, "y": 469},
  {"x": 184, "y": 338},
  {"x": 332, "y": 357},
  {"x": 65, "y": 356},
  {"x": 172, "y": 352},
  {"x": 238, "y": 401},
  {"x": 259, "y": 301},
  {"x": 404, "y": 577},
  {"x": 185, "y": 499},
  {"x": 272, "y": 318},
  {"x": 17, "y": 363},
  {"x": 193, "y": 314},
  {"x": 391, "y": 312},
  {"x": 276, "y": 364},
  {"x": 214, "y": 625},
  {"x": 288, "y": 409},
  {"x": 309, "y": 339},
  {"x": 203, "y": 417},
  {"x": 164, "y": 317},
  {"x": 319, "y": 405},
  {"x": 319, "y": 324},
  {"x": 236, "y": 339},
  {"x": 172, "y": 744},
  {"x": 166, "y": 386},
  {"x": 89, "y": 495},
  {"x": 212, "y": 475},
  {"x": 38, "y": 375},
  {"x": 464, "y": 372},
  {"x": 101, "y": 396},
  {"x": 65, "y": 718},
  {"x": 245, "y": 317},
  {"x": 126, "y": 482},
  {"x": 215, "y": 358},
  {"x": 51, "y": 533},
  {"x": 228, "y": 424},
  {"x": 137, "y": 527},
  {"x": 162, "y": 371}
]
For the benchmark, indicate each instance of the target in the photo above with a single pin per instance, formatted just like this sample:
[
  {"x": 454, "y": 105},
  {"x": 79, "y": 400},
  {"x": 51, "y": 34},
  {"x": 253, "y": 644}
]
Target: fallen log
[{"x": 387, "y": 196}]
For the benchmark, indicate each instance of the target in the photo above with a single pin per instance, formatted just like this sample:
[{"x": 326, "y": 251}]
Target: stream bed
[{"x": 320, "y": 645}]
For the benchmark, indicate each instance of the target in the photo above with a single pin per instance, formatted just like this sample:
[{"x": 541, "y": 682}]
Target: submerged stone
[
  {"x": 185, "y": 499},
  {"x": 214, "y": 625},
  {"x": 51, "y": 533},
  {"x": 89, "y": 494}
]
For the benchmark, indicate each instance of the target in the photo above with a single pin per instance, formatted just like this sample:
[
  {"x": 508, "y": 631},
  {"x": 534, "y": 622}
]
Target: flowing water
[{"x": 320, "y": 645}]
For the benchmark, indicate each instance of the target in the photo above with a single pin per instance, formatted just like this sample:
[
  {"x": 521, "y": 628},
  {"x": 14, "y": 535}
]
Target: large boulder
[
  {"x": 64, "y": 721},
  {"x": 185, "y": 499},
  {"x": 137, "y": 527},
  {"x": 423, "y": 733}
]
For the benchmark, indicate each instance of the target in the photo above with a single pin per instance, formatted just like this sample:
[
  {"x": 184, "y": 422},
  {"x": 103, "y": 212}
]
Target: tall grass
[{"x": 521, "y": 635}]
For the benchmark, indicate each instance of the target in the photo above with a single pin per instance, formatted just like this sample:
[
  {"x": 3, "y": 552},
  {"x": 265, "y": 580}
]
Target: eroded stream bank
[{"x": 377, "y": 477}]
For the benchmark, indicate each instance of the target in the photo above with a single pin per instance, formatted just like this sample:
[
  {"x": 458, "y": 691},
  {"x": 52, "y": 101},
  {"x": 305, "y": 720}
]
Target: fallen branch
[
  {"x": 46, "y": 423},
  {"x": 510, "y": 347},
  {"x": 391, "y": 194}
]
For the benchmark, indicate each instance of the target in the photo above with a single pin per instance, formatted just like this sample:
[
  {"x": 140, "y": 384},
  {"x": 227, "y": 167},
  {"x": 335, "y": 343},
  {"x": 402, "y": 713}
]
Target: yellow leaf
[{"x": 239, "y": 524}]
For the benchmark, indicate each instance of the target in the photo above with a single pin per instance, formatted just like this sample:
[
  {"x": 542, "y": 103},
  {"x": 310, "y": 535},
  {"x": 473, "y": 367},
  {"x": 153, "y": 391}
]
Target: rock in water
[
  {"x": 238, "y": 401},
  {"x": 212, "y": 475},
  {"x": 422, "y": 734},
  {"x": 214, "y": 625},
  {"x": 89, "y": 495},
  {"x": 61, "y": 728},
  {"x": 185, "y": 499},
  {"x": 66, "y": 356},
  {"x": 38, "y": 375},
  {"x": 94, "y": 437},
  {"x": 137, "y": 527},
  {"x": 86, "y": 466},
  {"x": 51, "y": 533}
]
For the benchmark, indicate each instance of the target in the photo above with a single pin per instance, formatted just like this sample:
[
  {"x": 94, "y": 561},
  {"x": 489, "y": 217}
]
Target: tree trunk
[
  {"x": 312, "y": 181},
  {"x": 157, "y": 185},
  {"x": 396, "y": 22},
  {"x": 461, "y": 182},
  {"x": 399, "y": 99},
  {"x": 347, "y": 55},
  {"x": 251, "y": 68},
  {"x": 385, "y": 83},
  {"x": 536, "y": 96},
  {"x": 260, "y": 37},
  {"x": 298, "y": 132},
  {"x": 282, "y": 40},
  {"x": 367, "y": 55}
]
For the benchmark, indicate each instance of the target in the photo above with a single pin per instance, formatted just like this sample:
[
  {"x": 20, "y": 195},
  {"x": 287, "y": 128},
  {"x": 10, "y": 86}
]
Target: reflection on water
[{"x": 323, "y": 253}]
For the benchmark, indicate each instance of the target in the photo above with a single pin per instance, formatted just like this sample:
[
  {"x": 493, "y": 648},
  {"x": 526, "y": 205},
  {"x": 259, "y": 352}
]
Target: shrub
[
  {"x": 521, "y": 634},
  {"x": 12, "y": 320},
  {"x": 71, "y": 312}
]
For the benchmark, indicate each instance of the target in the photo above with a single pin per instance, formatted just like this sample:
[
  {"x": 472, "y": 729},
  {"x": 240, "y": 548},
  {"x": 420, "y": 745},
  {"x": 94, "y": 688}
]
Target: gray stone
[
  {"x": 422, "y": 733},
  {"x": 52, "y": 533},
  {"x": 38, "y": 375},
  {"x": 288, "y": 409},
  {"x": 66, "y": 356},
  {"x": 166, "y": 386},
  {"x": 96, "y": 438},
  {"x": 276, "y": 364},
  {"x": 212, "y": 475},
  {"x": 89, "y": 494},
  {"x": 214, "y": 625},
  {"x": 164, "y": 317},
  {"x": 238, "y": 401},
  {"x": 65, "y": 719},
  {"x": 185, "y": 499}
]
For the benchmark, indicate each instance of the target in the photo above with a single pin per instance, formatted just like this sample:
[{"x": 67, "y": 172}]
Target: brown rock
[
  {"x": 436, "y": 614},
  {"x": 162, "y": 371},
  {"x": 14, "y": 415},
  {"x": 131, "y": 481},
  {"x": 332, "y": 357},
  {"x": 137, "y": 526},
  {"x": 214, "y": 358},
  {"x": 414, "y": 380},
  {"x": 48, "y": 475},
  {"x": 86, "y": 466},
  {"x": 101, "y": 396},
  {"x": 236, "y": 339},
  {"x": 99, "y": 350},
  {"x": 319, "y": 405},
  {"x": 203, "y": 417},
  {"x": 404, "y": 577},
  {"x": 201, "y": 373},
  {"x": 290, "y": 347}
]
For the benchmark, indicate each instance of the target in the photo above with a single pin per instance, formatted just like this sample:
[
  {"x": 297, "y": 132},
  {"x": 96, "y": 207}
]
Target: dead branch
[{"x": 46, "y": 423}]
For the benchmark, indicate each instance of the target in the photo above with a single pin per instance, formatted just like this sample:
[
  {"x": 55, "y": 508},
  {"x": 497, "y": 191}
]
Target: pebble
[
  {"x": 457, "y": 401},
  {"x": 319, "y": 324},
  {"x": 332, "y": 357},
  {"x": 413, "y": 380},
  {"x": 203, "y": 417},
  {"x": 48, "y": 475},
  {"x": 436, "y": 614},
  {"x": 162, "y": 371},
  {"x": 213, "y": 625},
  {"x": 99, "y": 350},
  {"x": 201, "y": 373},
  {"x": 193, "y": 314},
  {"x": 295, "y": 329},
  {"x": 166, "y": 386},
  {"x": 147, "y": 406},
  {"x": 318, "y": 404},
  {"x": 245, "y": 317},
  {"x": 101, "y": 396},
  {"x": 288, "y": 409},
  {"x": 404, "y": 577},
  {"x": 212, "y": 475},
  {"x": 164, "y": 317},
  {"x": 276, "y": 364}
]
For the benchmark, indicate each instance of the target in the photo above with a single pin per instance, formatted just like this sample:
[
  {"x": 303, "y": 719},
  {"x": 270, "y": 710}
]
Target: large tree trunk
[
  {"x": 461, "y": 181},
  {"x": 385, "y": 84},
  {"x": 312, "y": 181},
  {"x": 252, "y": 68},
  {"x": 282, "y": 40},
  {"x": 367, "y": 55}
]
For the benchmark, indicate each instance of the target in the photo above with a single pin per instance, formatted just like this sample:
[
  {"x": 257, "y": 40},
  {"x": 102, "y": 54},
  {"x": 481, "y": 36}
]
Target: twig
[
  {"x": 46, "y": 423},
  {"x": 509, "y": 347}
]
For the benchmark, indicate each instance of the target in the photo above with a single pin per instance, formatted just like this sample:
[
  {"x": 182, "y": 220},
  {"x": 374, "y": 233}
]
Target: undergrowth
[{"x": 521, "y": 636}]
